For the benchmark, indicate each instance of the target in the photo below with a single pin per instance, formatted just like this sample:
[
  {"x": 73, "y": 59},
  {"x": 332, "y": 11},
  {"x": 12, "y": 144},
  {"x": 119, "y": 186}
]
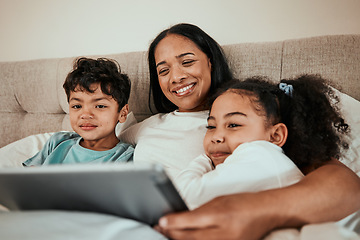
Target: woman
[{"x": 186, "y": 65}]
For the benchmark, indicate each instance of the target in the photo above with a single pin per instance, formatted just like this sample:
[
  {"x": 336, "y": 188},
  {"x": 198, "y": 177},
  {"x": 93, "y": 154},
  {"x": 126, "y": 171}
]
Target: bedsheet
[{"x": 59, "y": 225}]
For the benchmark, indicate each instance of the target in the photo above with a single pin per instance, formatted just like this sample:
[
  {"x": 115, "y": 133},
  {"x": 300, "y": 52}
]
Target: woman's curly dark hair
[
  {"x": 315, "y": 126},
  {"x": 106, "y": 72}
]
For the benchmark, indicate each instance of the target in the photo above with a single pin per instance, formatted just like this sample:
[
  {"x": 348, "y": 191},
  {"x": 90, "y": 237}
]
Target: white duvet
[{"x": 45, "y": 225}]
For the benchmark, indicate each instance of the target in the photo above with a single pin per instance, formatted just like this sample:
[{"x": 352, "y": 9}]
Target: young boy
[{"x": 97, "y": 93}]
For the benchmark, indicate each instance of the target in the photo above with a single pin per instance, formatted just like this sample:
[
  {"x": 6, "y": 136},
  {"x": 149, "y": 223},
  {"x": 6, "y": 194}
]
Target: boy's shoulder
[
  {"x": 65, "y": 135},
  {"x": 59, "y": 137}
]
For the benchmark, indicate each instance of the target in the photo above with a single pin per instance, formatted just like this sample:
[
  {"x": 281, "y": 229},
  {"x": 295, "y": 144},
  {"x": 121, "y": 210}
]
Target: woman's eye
[
  {"x": 188, "y": 62},
  {"x": 163, "y": 72},
  {"x": 233, "y": 125},
  {"x": 76, "y": 106}
]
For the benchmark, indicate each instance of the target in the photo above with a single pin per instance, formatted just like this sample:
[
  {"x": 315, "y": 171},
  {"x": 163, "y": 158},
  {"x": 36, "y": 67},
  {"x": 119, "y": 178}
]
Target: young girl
[{"x": 251, "y": 125}]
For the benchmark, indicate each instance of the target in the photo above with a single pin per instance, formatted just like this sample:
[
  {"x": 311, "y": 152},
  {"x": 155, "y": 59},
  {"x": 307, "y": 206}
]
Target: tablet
[{"x": 140, "y": 192}]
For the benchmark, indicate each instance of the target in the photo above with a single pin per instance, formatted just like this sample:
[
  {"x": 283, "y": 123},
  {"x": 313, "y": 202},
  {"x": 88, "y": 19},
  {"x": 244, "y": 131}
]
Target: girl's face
[
  {"x": 184, "y": 72},
  {"x": 232, "y": 121}
]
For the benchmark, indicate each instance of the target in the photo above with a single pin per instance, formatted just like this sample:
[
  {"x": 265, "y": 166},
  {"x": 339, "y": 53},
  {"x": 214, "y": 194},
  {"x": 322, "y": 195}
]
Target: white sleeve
[
  {"x": 250, "y": 168},
  {"x": 188, "y": 180}
]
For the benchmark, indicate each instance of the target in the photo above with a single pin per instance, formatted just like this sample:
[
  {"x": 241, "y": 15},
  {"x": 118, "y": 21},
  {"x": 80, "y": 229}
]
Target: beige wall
[{"x": 33, "y": 29}]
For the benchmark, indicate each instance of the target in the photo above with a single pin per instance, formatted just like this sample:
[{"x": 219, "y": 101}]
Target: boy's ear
[
  {"x": 279, "y": 134},
  {"x": 123, "y": 113}
]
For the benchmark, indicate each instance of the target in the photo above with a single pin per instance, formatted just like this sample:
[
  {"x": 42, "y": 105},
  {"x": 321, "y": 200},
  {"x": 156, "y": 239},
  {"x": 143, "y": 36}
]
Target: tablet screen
[{"x": 140, "y": 192}]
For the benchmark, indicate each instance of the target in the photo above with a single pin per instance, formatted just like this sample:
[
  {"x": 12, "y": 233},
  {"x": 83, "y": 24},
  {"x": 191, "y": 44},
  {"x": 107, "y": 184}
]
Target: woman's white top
[{"x": 172, "y": 140}]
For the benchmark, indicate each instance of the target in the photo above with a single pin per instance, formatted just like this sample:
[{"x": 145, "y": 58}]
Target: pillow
[
  {"x": 14, "y": 154},
  {"x": 350, "y": 109}
]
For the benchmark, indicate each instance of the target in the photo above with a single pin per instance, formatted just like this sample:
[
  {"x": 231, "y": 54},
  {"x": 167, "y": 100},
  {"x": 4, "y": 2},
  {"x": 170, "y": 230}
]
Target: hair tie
[{"x": 287, "y": 88}]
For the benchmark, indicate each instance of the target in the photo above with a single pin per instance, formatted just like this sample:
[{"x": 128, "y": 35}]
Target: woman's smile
[{"x": 184, "y": 90}]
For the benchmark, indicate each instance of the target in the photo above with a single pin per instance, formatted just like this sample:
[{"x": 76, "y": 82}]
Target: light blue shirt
[{"x": 64, "y": 148}]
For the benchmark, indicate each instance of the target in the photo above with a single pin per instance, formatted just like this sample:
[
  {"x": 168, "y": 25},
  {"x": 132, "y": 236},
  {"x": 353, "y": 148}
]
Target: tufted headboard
[{"x": 33, "y": 100}]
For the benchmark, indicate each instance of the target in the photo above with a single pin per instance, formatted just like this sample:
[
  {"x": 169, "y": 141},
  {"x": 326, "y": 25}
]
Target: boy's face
[
  {"x": 232, "y": 121},
  {"x": 94, "y": 117}
]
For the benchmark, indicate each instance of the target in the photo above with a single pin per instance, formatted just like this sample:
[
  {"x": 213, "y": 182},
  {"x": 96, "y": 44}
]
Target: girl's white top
[{"x": 252, "y": 167}]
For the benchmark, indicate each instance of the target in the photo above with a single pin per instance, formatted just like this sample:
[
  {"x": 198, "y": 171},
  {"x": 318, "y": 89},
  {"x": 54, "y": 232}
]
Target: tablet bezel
[{"x": 137, "y": 191}]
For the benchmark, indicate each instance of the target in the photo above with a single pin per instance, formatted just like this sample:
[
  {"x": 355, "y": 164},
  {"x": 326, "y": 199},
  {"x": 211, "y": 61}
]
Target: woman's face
[{"x": 184, "y": 72}]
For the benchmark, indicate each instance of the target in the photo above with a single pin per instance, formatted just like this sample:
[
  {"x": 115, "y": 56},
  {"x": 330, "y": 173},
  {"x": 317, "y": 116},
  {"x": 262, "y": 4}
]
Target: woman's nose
[{"x": 177, "y": 75}]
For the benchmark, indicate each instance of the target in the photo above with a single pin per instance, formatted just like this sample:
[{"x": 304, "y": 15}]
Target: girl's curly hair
[
  {"x": 310, "y": 112},
  {"x": 314, "y": 122}
]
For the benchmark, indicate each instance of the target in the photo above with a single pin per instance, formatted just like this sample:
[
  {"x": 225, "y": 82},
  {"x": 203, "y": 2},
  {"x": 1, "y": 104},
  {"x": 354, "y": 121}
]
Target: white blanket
[
  {"x": 45, "y": 225},
  {"x": 75, "y": 225}
]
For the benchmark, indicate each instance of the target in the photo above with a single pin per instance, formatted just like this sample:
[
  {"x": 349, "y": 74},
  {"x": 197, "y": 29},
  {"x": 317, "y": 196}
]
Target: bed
[{"x": 27, "y": 122}]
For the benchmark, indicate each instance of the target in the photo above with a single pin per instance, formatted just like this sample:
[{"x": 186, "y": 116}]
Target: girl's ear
[
  {"x": 279, "y": 133},
  {"x": 123, "y": 113}
]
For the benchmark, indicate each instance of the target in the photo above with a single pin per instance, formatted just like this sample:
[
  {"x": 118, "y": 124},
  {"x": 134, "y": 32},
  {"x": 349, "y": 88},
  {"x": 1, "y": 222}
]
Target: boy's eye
[
  {"x": 76, "y": 106},
  {"x": 100, "y": 106}
]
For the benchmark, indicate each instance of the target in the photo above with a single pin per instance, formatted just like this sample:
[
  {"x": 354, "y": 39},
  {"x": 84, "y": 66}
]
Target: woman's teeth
[{"x": 184, "y": 89}]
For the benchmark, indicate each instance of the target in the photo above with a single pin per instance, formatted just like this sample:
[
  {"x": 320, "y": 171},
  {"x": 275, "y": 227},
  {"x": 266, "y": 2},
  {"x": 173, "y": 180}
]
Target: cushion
[{"x": 350, "y": 109}]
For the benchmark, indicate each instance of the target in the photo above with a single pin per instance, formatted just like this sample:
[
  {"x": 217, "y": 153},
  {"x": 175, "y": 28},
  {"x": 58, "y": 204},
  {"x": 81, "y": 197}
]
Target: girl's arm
[
  {"x": 252, "y": 167},
  {"x": 189, "y": 181},
  {"x": 329, "y": 193}
]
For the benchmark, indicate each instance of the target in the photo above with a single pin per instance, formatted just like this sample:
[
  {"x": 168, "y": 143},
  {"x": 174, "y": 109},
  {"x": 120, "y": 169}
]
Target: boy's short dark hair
[{"x": 106, "y": 72}]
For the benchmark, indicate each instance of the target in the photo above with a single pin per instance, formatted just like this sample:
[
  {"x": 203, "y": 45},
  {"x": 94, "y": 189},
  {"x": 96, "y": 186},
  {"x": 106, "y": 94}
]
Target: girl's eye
[
  {"x": 100, "y": 106},
  {"x": 233, "y": 125},
  {"x": 210, "y": 127},
  {"x": 76, "y": 106}
]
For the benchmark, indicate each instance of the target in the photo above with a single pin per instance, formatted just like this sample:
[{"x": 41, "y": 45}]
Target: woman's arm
[{"x": 329, "y": 193}]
